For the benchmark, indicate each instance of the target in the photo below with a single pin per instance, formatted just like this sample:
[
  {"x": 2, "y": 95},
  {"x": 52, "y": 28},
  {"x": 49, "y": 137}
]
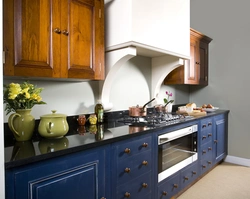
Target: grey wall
[{"x": 227, "y": 22}]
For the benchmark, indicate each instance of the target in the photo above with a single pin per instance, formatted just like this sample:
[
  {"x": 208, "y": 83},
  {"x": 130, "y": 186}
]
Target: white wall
[{"x": 227, "y": 22}]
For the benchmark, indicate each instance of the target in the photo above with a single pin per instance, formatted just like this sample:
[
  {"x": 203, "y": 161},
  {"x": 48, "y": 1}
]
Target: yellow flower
[
  {"x": 14, "y": 90},
  {"x": 26, "y": 92}
]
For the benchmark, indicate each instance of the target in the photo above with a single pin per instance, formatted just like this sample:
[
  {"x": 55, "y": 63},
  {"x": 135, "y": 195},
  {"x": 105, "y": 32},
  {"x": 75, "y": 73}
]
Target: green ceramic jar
[{"x": 53, "y": 125}]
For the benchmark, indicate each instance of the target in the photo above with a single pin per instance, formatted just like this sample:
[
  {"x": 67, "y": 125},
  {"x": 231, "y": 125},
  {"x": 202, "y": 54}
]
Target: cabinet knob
[
  {"x": 204, "y": 152},
  {"x": 127, "y": 170},
  {"x": 65, "y": 32},
  {"x": 194, "y": 172},
  {"x": 176, "y": 186},
  {"x": 210, "y": 134},
  {"x": 57, "y": 30},
  {"x": 204, "y": 126},
  {"x": 209, "y": 162},
  {"x": 127, "y": 195},
  {"x": 204, "y": 137},
  {"x": 215, "y": 141},
  {"x": 209, "y": 123},
  {"x": 127, "y": 150},
  {"x": 204, "y": 166},
  {"x": 145, "y": 162},
  {"x": 144, "y": 185},
  {"x": 164, "y": 193},
  {"x": 145, "y": 145},
  {"x": 210, "y": 148},
  {"x": 185, "y": 178},
  {"x": 103, "y": 198}
]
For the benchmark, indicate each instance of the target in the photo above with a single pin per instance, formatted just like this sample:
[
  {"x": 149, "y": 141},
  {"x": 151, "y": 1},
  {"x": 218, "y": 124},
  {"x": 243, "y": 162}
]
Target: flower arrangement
[
  {"x": 166, "y": 100},
  {"x": 21, "y": 96}
]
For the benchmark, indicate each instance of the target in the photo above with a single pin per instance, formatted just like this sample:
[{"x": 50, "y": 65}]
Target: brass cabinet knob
[
  {"x": 145, "y": 162},
  {"x": 204, "y": 126},
  {"x": 57, "y": 30},
  {"x": 210, "y": 134},
  {"x": 210, "y": 148},
  {"x": 210, "y": 123},
  {"x": 204, "y": 137},
  {"x": 127, "y": 170},
  {"x": 185, "y": 178},
  {"x": 144, "y": 185},
  {"x": 145, "y": 145},
  {"x": 127, "y": 150},
  {"x": 65, "y": 32},
  {"x": 204, "y": 166},
  {"x": 175, "y": 185},
  {"x": 127, "y": 195},
  {"x": 215, "y": 141},
  {"x": 194, "y": 172},
  {"x": 164, "y": 193},
  {"x": 204, "y": 152},
  {"x": 209, "y": 162},
  {"x": 103, "y": 198}
]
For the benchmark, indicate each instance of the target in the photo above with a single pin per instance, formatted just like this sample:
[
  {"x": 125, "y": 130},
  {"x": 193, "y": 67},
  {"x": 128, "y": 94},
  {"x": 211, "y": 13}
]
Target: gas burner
[{"x": 152, "y": 119}]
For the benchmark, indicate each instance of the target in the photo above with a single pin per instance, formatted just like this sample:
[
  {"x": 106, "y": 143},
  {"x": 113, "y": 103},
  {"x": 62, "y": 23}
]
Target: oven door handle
[{"x": 174, "y": 135}]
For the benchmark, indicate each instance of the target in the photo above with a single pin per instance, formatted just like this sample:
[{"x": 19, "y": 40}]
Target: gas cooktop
[{"x": 153, "y": 119}]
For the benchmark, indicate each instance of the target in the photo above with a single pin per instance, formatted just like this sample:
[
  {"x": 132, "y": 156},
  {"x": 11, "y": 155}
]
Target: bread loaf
[{"x": 190, "y": 107}]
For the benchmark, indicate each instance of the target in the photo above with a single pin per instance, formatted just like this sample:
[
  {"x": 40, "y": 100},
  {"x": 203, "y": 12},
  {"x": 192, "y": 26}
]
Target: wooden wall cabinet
[
  {"x": 195, "y": 70},
  {"x": 54, "y": 39}
]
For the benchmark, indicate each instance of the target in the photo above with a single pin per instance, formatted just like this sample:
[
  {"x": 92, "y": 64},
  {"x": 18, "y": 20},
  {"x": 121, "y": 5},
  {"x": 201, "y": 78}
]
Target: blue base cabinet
[
  {"x": 80, "y": 175},
  {"x": 132, "y": 168}
]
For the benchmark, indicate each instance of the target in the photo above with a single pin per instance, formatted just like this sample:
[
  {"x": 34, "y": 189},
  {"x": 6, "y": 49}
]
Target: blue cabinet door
[
  {"x": 80, "y": 175},
  {"x": 220, "y": 138}
]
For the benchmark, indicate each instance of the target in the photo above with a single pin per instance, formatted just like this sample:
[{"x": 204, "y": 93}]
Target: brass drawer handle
[
  {"x": 164, "y": 193},
  {"x": 127, "y": 150},
  {"x": 127, "y": 195},
  {"x": 127, "y": 170},
  {"x": 145, "y": 144},
  {"x": 145, "y": 162}
]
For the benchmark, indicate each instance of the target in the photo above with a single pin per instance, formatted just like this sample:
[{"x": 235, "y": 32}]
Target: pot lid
[{"x": 53, "y": 115}]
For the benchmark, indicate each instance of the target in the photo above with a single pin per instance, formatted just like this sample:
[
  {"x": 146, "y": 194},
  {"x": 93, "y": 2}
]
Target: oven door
[{"x": 176, "y": 154}]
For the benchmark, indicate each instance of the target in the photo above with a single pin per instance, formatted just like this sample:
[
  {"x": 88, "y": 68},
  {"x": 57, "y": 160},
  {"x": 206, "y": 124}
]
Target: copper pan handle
[{"x": 147, "y": 103}]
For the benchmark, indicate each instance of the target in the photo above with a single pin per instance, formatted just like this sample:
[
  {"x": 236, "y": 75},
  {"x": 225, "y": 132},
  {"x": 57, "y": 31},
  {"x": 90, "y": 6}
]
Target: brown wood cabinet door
[
  {"x": 203, "y": 48},
  {"x": 27, "y": 38},
  {"x": 59, "y": 38},
  {"x": 192, "y": 67},
  {"x": 86, "y": 39}
]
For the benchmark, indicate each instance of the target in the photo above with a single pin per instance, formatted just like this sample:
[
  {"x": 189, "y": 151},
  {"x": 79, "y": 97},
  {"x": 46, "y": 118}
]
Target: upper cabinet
[
  {"x": 195, "y": 70},
  {"x": 54, "y": 39}
]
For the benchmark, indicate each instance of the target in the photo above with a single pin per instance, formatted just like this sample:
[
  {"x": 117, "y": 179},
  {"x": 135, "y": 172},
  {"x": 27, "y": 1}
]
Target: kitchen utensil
[{"x": 139, "y": 111}]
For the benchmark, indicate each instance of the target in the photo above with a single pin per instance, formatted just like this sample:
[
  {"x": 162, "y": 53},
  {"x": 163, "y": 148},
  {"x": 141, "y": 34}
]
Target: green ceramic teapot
[{"x": 53, "y": 125}]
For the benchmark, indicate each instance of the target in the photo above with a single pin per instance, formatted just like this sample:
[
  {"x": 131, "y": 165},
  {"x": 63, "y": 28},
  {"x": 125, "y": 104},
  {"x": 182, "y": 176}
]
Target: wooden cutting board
[{"x": 194, "y": 114}]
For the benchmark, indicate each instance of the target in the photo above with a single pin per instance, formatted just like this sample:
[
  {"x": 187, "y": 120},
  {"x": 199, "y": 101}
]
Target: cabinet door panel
[
  {"x": 82, "y": 38},
  {"x": 70, "y": 184},
  {"x": 32, "y": 38}
]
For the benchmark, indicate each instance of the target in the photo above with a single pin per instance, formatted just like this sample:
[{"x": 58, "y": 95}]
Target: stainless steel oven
[{"x": 176, "y": 150}]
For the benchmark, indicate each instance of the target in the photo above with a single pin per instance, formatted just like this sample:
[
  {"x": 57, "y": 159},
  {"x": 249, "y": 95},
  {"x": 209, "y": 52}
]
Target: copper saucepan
[{"x": 139, "y": 111}]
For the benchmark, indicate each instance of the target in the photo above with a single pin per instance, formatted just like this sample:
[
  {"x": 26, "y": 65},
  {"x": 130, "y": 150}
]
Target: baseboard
[{"x": 237, "y": 160}]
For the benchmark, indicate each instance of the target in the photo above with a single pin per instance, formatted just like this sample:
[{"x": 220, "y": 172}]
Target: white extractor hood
[{"x": 159, "y": 29}]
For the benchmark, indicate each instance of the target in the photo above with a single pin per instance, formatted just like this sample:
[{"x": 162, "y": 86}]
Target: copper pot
[{"x": 139, "y": 111}]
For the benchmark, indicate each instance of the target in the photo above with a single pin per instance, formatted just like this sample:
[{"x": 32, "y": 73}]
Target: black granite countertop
[{"x": 78, "y": 138}]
